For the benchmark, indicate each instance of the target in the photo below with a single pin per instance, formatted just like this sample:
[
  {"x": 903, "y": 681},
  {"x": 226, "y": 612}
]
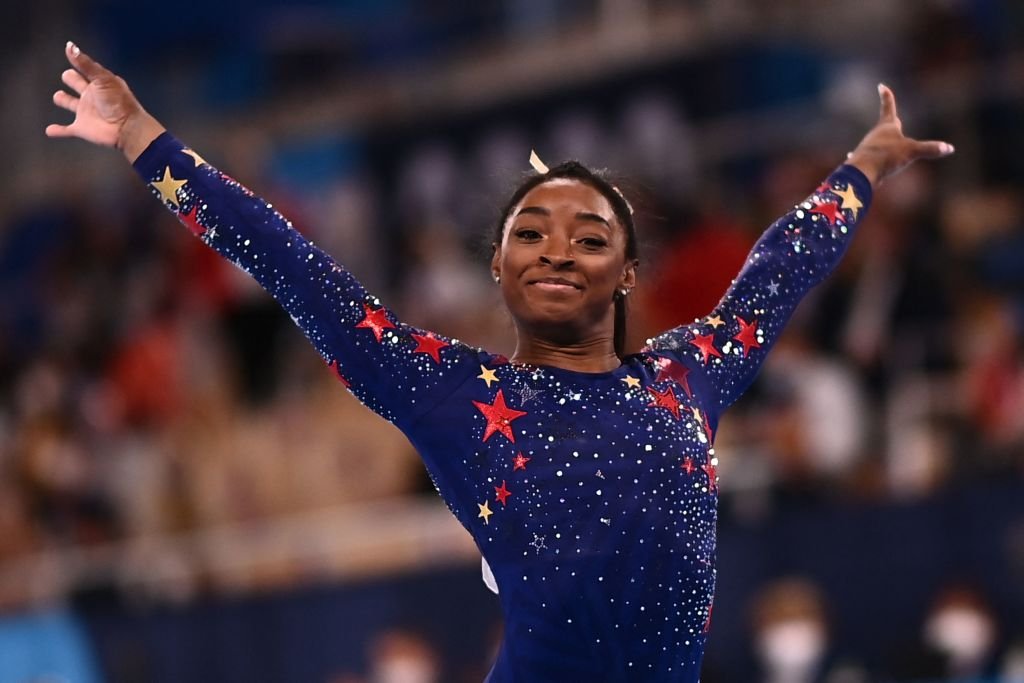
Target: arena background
[{"x": 186, "y": 494}]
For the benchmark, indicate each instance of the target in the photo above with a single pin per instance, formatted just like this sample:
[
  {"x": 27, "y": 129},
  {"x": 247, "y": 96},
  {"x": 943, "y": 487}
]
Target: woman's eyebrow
[
  {"x": 587, "y": 216},
  {"x": 539, "y": 210}
]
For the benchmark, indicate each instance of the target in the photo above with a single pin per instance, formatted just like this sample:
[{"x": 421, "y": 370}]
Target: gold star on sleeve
[
  {"x": 195, "y": 157},
  {"x": 487, "y": 375},
  {"x": 714, "y": 321},
  {"x": 631, "y": 381},
  {"x": 168, "y": 187},
  {"x": 850, "y": 200},
  {"x": 485, "y": 511}
]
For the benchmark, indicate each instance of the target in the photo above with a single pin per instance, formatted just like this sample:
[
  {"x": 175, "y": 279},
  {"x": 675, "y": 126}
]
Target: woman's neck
[{"x": 596, "y": 355}]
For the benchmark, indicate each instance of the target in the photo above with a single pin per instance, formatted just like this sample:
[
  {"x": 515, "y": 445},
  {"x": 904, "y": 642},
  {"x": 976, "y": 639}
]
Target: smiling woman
[
  {"x": 601, "y": 532},
  {"x": 567, "y": 231}
]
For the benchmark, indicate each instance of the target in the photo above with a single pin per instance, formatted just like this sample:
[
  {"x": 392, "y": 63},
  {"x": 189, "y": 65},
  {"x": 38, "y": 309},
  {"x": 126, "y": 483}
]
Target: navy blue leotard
[{"x": 592, "y": 496}]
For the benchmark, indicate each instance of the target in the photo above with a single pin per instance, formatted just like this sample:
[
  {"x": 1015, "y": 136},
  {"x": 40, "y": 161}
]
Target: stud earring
[
  {"x": 624, "y": 291},
  {"x": 497, "y": 279}
]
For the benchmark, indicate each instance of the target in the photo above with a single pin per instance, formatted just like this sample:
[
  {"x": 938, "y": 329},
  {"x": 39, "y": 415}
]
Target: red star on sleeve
[
  {"x": 519, "y": 462},
  {"x": 430, "y": 345},
  {"x": 706, "y": 344},
  {"x": 665, "y": 399},
  {"x": 669, "y": 369},
  {"x": 191, "y": 221},
  {"x": 830, "y": 210},
  {"x": 747, "y": 335},
  {"x": 712, "y": 473},
  {"x": 501, "y": 493},
  {"x": 687, "y": 465},
  {"x": 499, "y": 417},
  {"x": 376, "y": 320}
]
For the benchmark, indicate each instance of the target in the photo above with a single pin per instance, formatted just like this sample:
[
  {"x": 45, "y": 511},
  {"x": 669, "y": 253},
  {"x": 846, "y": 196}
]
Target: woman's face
[{"x": 561, "y": 259}]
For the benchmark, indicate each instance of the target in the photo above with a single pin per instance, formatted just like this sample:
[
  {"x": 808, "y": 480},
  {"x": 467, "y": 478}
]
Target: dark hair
[{"x": 574, "y": 170}]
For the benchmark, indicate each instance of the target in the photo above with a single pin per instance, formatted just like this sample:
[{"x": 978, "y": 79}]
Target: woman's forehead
[{"x": 567, "y": 193}]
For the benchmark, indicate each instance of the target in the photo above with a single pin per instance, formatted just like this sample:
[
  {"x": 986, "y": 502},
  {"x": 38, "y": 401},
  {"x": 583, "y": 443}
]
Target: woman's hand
[
  {"x": 885, "y": 150},
  {"x": 106, "y": 111}
]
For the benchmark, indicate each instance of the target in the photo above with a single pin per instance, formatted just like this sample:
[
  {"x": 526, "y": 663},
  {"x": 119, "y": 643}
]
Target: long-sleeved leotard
[{"x": 592, "y": 496}]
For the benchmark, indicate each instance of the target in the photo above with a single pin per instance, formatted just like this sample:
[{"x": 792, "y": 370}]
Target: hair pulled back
[{"x": 574, "y": 170}]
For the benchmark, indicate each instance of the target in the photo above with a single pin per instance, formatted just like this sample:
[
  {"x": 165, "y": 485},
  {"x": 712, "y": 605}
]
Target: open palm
[{"x": 103, "y": 104}]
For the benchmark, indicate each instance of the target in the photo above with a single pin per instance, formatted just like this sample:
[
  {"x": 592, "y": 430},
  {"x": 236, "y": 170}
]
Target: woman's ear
[
  {"x": 495, "y": 260},
  {"x": 628, "y": 280}
]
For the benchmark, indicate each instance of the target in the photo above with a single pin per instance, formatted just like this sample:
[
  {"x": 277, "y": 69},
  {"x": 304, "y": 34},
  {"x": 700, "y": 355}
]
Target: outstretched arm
[
  {"x": 397, "y": 370},
  {"x": 798, "y": 251}
]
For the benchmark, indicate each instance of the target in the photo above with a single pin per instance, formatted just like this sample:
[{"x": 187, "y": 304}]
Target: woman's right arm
[{"x": 397, "y": 370}]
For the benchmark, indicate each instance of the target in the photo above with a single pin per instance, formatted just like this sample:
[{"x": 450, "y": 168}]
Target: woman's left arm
[{"x": 798, "y": 251}]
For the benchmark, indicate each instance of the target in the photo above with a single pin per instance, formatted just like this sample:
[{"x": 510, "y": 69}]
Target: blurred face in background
[
  {"x": 399, "y": 657},
  {"x": 961, "y": 627},
  {"x": 561, "y": 259},
  {"x": 790, "y": 631}
]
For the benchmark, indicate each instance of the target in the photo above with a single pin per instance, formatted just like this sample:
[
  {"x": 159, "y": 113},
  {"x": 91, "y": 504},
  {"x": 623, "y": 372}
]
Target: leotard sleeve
[
  {"x": 725, "y": 349},
  {"x": 397, "y": 370}
]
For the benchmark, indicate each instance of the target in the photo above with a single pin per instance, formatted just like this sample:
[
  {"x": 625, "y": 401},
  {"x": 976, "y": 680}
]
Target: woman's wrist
[
  {"x": 138, "y": 131},
  {"x": 870, "y": 164}
]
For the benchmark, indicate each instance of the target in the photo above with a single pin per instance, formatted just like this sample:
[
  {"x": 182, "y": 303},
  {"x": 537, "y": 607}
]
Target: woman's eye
[
  {"x": 593, "y": 242},
  {"x": 527, "y": 234}
]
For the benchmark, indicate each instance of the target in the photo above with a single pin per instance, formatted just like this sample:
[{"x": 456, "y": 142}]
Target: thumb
[{"x": 932, "y": 149}]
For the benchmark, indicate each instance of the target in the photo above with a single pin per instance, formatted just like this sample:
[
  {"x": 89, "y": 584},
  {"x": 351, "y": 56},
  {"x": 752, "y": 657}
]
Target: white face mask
[
  {"x": 962, "y": 633},
  {"x": 791, "y": 647},
  {"x": 403, "y": 669}
]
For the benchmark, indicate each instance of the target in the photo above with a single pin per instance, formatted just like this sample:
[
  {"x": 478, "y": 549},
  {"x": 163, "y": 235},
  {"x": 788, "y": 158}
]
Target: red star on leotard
[
  {"x": 665, "y": 399},
  {"x": 430, "y": 345},
  {"x": 688, "y": 465},
  {"x": 747, "y": 335},
  {"x": 375, "y": 320},
  {"x": 499, "y": 417},
  {"x": 519, "y": 462},
  {"x": 706, "y": 344},
  {"x": 669, "y": 369},
  {"x": 707, "y": 622},
  {"x": 712, "y": 473},
  {"x": 337, "y": 371},
  {"x": 502, "y": 494},
  {"x": 191, "y": 221},
  {"x": 830, "y": 210}
]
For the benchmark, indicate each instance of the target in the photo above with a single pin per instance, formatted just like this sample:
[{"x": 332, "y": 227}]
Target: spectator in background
[
  {"x": 791, "y": 636},
  {"x": 398, "y": 656},
  {"x": 958, "y": 640}
]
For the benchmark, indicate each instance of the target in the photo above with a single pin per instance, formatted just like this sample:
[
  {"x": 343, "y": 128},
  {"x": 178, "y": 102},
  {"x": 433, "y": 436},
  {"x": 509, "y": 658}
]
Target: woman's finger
[
  {"x": 57, "y": 131},
  {"x": 888, "y": 109},
  {"x": 66, "y": 101},
  {"x": 932, "y": 149},
  {"x": 74, "y": 80},
  {"x": 89, "y": 67}
]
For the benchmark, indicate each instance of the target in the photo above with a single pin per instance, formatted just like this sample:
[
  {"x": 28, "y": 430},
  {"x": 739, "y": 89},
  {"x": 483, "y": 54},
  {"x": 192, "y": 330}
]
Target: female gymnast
[{"x": 586, "y": 477}]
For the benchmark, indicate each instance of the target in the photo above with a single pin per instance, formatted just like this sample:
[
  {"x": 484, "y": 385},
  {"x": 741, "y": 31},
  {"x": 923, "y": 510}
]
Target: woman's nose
[
  {"x": 558, "y": 254},
  {"x": 558, "y": 261}
]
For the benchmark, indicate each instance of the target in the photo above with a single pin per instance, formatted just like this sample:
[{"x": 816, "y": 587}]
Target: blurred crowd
[{"x": 149, "y": 389}]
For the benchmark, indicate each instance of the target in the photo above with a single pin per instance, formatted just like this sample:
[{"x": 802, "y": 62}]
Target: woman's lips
[{"x": 555, "y": 287}]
